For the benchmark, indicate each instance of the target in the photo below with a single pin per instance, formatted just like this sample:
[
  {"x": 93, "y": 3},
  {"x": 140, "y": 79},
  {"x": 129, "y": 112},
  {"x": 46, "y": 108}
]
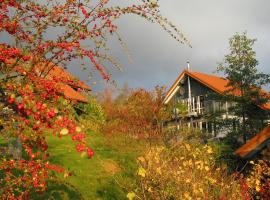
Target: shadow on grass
[
  {"x": 59, "y": 190},
  {"x": 111, "y": 191}
]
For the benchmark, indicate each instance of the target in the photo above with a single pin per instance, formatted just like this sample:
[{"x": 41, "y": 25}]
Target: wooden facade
[{"x": 200, "y": 92}]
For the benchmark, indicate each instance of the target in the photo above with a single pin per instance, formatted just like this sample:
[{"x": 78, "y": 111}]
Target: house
[
  {"x": 255, "y": 144},
  {"x": 71, "y": 87},
  {"x": 197, "y": 91}
]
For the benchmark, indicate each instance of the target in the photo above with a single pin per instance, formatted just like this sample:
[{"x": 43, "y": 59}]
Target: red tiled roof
[
  {"x": 216, "y": 83},
  {"x": 72, "y": 94},
  {"x": 266, "y": 106},
  {"x": 255, "y": 144},
  {"x": 69, "y": 80},
  {"x": 60, "y": 73},
  {"x": 66, "y": 88}
]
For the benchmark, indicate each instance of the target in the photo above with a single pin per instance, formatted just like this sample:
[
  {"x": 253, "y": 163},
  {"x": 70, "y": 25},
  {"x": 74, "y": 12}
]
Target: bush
[
  {"x": 185, "y": 171},
  {"x": 258, "y": 180},
  {"x": 138, "y": 114},
  {"x": 91, "y": 114}
]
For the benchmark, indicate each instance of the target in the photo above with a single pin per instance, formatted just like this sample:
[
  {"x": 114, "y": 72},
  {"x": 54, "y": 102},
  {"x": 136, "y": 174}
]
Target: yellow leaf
[
  {"x": 131, "y": 195},
  {"x": 66, "y": 174},
  {"x": 141, "y": 159},
  {"x": 158, "y": 170},
  {"x": 188, "y": 180},
  {"x": 186, "y": 195},
  {"x": 83, "y": 154},
  {"x": 210, "y": 150},
  {"x": 141, "y": 172},
  {"x": 187, "y": 147},
  {"x": 64, "y": 131},
  {"x": 78, "y": 129}
]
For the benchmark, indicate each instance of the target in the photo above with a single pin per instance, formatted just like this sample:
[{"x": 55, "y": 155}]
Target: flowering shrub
[
  {"x": 185, "y": 171},
  {"x": 44, "y": 34},
  {"x": 33, "y": 106}
]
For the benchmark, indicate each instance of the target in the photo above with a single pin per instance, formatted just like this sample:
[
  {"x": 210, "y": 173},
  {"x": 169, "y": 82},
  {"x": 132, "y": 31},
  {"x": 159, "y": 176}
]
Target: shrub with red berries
[{"x": 34, "y": 100}]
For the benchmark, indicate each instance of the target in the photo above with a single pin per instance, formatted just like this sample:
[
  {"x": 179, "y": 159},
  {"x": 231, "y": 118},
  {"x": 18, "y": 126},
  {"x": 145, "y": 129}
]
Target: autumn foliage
[
  {"x": 139, "y": 113},
  {"x": 42, "y": 35},
  {"x": 185, "y": 171},
  {"x": 258, "y": 181},
  {"x": 46, "y": 34}
]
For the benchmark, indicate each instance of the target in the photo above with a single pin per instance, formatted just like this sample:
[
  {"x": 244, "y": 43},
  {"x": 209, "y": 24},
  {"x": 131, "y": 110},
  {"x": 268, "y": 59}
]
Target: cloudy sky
[{"x": 158, "y": 58}]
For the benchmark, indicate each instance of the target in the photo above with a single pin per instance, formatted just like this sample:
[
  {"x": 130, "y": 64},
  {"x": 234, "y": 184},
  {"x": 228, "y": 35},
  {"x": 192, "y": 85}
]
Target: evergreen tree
[{"x": 245, "y": 82}]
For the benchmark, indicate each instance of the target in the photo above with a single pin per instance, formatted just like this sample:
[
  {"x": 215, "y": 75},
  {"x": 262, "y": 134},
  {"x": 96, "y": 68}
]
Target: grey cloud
[{"x": 158, "y": 59}]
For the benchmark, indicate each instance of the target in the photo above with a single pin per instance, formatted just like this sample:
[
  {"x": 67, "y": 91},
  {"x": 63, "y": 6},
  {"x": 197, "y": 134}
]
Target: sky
[{"x": 157, "y": 59}]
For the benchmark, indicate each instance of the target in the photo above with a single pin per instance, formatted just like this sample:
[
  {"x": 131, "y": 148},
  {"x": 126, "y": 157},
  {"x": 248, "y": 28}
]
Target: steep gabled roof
[
  {"x": 255, "y": 144},
  {"x": 60, "y": 73},
  {"x": 216, "y": 83},
  {"x": 69, "y": 81},
  {"x": 70, "y": 93},
  {"x": 66, "y": 86}
]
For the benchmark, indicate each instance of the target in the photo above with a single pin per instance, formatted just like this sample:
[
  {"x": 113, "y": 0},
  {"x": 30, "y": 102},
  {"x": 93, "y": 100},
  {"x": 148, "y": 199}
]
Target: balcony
[{"x": 195, "y": 105}]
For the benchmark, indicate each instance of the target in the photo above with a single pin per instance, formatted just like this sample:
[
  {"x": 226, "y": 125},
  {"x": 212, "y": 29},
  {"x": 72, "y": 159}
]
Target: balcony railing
[{"x": 195, "y": 105}]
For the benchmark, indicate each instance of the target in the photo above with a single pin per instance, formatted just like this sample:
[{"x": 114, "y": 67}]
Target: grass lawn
[{"x": 102, "y": 177}]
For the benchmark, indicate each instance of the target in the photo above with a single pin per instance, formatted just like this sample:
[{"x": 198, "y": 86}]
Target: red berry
[
  {"x": 11, "y": 100},
  {"x": 20, "y": 106},
  {"x": 90, "y": 152}
]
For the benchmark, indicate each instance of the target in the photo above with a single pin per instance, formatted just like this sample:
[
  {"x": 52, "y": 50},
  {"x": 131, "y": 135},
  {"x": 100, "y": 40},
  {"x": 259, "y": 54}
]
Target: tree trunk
[{"x": 244, "y": 126}]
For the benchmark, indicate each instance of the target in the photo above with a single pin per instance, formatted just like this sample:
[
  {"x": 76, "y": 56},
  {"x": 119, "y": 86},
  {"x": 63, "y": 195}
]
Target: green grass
[{"x": 108, "y": 175}]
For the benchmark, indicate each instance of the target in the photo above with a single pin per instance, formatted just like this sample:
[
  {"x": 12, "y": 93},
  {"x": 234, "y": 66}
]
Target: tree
[
  {"x": 139, "y": 113},
  {"x": 44, "y": 34},
  {"x": 245, "y": 82}
]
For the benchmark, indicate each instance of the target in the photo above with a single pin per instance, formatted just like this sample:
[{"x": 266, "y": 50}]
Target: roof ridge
[
  {"x": 208, "y": 74},
  {"x": 214, "y": 82}
]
